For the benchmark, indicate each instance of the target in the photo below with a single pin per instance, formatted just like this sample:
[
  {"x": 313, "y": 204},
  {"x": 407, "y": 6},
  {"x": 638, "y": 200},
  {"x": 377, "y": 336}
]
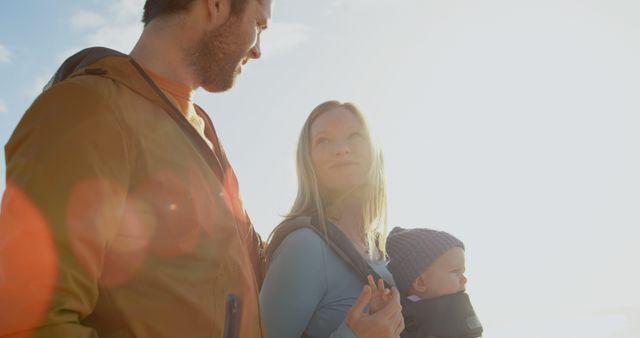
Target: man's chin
[{"x": 219, "y": 87}]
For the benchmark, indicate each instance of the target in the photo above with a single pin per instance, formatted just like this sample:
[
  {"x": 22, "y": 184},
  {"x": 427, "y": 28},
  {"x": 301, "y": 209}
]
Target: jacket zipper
[
  {"x": 232, "y": 303},
  {"x": 232, "y": 316}
]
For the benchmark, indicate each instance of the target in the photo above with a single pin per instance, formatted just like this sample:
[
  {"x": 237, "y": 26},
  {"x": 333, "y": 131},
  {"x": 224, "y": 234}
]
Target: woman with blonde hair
[{"x": 309, "y": 290}]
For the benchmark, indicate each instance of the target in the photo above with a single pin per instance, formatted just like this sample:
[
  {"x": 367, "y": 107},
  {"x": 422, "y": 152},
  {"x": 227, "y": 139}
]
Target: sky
[{"x": 512, "y": 124}]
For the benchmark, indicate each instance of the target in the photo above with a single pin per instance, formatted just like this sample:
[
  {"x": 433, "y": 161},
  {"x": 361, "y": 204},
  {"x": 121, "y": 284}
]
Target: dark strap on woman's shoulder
[
  {"x": 281, "y": 232},
  {"x": 333, "y": 237}
]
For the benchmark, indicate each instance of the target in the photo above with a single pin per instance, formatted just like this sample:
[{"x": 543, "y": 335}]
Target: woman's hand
[
  {"x": 387, "y": 322},
  {"x": 380, "y": 296}
]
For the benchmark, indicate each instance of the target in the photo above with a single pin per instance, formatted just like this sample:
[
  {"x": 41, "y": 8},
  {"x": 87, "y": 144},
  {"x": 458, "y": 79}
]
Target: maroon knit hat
[{"x": 412, "y": 251}]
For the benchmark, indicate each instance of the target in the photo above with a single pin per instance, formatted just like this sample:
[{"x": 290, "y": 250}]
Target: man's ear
[{"x": 218, "y": 12}]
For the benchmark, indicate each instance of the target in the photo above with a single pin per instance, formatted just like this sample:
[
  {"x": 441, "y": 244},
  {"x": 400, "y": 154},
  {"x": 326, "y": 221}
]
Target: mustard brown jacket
[{"x": 118, "y": 219}]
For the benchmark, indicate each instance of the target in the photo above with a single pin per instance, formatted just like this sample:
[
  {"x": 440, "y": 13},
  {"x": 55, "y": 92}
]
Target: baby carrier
[{"x": 450, "y": 316}]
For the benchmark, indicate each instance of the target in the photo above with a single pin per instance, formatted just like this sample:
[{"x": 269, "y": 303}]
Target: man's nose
[{"x": 254, "y": 52}]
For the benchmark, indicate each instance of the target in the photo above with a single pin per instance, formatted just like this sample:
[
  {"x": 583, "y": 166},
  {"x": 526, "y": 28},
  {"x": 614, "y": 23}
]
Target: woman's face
[{"x": 340, "y": 151}]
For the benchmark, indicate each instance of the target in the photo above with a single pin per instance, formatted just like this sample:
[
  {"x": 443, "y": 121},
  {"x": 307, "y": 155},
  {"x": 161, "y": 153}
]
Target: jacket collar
[
  {"x": 108, "y": 63},
  {"x": 119, "y": 67}
]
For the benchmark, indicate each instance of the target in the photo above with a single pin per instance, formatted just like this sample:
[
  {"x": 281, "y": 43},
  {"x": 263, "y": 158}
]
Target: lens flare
[{"x": 28, "y": 263}]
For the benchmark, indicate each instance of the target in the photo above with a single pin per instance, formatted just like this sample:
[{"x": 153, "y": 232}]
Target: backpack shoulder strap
[
  {"x": 342, "y": 246},
  {"x": 281, "y": 232},
  {"x": 333, "y": 237}
]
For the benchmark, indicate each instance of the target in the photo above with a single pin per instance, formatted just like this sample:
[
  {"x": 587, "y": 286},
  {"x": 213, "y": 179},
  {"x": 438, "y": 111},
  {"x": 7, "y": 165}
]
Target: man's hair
[{"x": 157, "y": 8}]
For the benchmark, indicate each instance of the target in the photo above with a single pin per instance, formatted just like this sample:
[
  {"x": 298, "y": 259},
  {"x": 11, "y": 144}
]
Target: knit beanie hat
[{"x": 412, "y": 251}]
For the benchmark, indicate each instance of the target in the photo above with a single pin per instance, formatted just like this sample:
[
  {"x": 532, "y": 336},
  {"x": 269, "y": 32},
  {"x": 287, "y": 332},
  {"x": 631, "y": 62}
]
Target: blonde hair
[{"x": 309, "y": 199}]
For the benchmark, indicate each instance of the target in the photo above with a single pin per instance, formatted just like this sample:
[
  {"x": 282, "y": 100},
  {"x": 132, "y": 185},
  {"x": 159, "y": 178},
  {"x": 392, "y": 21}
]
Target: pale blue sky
[{"x": 512, "y": 124}]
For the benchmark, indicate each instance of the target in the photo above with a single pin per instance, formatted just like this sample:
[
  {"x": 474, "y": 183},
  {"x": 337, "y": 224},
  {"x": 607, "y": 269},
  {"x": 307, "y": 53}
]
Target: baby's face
[{"x": 444, "y": 277}]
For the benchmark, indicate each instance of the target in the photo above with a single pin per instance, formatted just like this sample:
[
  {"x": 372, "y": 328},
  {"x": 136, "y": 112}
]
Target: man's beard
[{"x": 215, "y": 58}]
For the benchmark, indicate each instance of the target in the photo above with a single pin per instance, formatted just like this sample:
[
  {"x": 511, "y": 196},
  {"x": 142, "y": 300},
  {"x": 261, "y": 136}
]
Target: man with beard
[{"x": 122, "y": 216}]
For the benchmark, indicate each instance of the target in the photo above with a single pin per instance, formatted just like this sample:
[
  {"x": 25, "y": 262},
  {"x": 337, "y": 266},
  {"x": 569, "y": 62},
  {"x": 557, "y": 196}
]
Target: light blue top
[{"x": 309, "y": 289}]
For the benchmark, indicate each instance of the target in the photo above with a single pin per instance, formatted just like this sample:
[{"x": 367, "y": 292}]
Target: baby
[{"x": 428, "y": 269}]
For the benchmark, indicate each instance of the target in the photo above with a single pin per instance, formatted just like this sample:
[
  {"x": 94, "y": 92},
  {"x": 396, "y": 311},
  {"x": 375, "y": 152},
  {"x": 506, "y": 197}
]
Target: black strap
[{"x": 334, "y": 238}]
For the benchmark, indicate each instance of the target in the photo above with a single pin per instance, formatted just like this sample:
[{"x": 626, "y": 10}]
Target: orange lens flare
[{"x": 28, "y": 263}]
